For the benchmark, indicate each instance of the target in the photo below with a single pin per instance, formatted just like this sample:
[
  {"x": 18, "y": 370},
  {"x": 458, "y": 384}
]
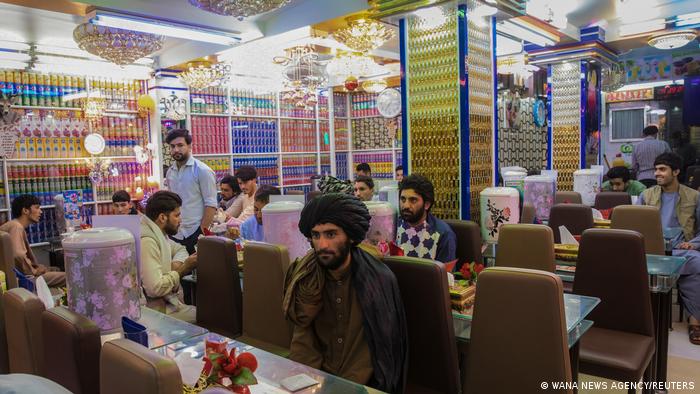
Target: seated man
[
  {"x": 121, "y": 203},
  {"x": 399, "y": 173},
  {"x": 619, "y": 181},
  {"x": 231, "y": 196},
  {"x": 164, "y": 261},
  {"x": 363, "y": 169},
  {"x": 252, "y": 228},
  {"x": 419, "y": 233},
  {"x": 344, "y": 303},
  {"x": 248, "y": 183},
  {"x": 26, "y": 210},
  {"x": 364, "y": 188},
  {"x": 680, "y": 207}
]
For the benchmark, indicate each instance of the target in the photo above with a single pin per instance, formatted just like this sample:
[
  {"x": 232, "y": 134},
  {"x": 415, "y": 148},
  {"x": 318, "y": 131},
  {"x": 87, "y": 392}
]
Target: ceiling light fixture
[
  {"x": 672, "y": 40},
  {"x": 363, "y": 34},
  {"x": 118, "y": 46},
  {"x": 374, "y": 85},
  {"x": 203, "y": 74},
  {"x": 240, "y": 9},
  {"x": 160, "y": 28}
]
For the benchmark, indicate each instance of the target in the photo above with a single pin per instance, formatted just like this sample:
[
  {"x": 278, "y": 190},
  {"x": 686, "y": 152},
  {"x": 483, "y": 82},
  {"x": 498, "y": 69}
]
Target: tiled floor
[{"x": 683, "y": 363}]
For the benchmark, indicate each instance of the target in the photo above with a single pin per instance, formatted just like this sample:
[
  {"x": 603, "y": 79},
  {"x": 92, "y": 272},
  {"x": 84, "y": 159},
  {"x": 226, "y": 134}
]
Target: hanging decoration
[
  {"x": 613, "y": 77},
  {"x": 351, "y": 83},
  {"x": 240, "y": 9},
  {"x": 356, "y": 64},
  {"x": 9, "y": 122},
  {"x": 143, "y": 155},
  {"x": 204, "y": 74},
  {"x": 173, "y": 107},
  {"x": 94, "y": 108},
  {"x": 304, "y": 73},
  {"x": 100, "y": 168},
  {"x": 146, "y": 105},
  {"x": 363, "y": 34},
  {"x": 119, "y": 46},
  {"x": 374, "y": 85}
]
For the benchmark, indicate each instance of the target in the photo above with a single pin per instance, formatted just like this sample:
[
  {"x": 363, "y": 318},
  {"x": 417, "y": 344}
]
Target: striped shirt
[{"x": 644, "y": 154}]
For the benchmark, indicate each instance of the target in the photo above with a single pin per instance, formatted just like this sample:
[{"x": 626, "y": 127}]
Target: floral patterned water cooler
[
  {"x": 281, "y": 227},
  {"x": 539, "y": 192},
  {"x": 587, "y": 184},
  {"x": 381, "y": 227},
  {"x": 101, "y": 276},
  {"x": 499, "y": 205}
]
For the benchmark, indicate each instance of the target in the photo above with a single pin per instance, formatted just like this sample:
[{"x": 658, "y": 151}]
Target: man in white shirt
[
  {"x": 248, "y": 182},
  {"x": 163, "y": 261},
  {"x": 195, "y": 183}
]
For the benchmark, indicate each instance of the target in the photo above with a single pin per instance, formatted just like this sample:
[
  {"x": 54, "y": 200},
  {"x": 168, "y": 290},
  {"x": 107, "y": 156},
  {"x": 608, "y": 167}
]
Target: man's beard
[
  {"x": 410, "y": 218},
  {"x": 170, "y": 229},
  {"x": 179, "y": 157},
  {"x": 334, "y": 261}
]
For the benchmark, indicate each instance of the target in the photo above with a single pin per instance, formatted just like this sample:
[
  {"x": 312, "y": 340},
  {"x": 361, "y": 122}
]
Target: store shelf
[
  {"x": 47, "y": 206},
  {"x": 47, "y": 108},
  {"x": 4, "y": 210},
  {"x": 211, "y": 154},
  {"x": 289, "y": 117},
  {"x": 300, "y": 153},
  {"x": 256, "y": 116},
  {"x": 71, "y": 158},
  {"x": 214, "y": 115},
  {"x": 301, "y": 184},
  {"x": 372, "y": 150},
  {"x": 367, "y": 117},
  {"x": 255, "y": 154},
  {"x": 36, "y": 245},
  {"x": 121, "y": 111}
]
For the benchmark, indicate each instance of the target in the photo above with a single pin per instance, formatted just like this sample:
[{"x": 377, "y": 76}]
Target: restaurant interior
[{"x": 349, "y": 196}]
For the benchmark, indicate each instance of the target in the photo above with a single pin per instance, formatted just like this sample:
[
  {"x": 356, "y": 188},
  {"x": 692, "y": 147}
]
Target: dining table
[{"x": 663, "y": 272}]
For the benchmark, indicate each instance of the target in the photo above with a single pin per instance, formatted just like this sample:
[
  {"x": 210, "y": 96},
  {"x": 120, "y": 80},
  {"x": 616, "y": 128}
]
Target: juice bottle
[{"x": 26, "y": 97}]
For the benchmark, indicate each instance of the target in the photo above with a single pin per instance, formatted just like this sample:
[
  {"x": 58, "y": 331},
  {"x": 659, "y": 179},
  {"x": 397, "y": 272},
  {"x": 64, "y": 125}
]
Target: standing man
[
  {"x": 680, "y": 208},
  {"x": 248, "y": 183},
  {"x": 344, "y": 303},
  {"x": 399, "y": 173},
  {"x": 644, "y": 154},
  {"x": 195, "y": 183},
  {"x": 26, "y": 210},
  {"x": 419, "y": 233}
]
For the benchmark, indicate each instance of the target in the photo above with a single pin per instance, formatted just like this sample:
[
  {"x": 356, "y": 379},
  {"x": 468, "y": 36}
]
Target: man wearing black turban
[{"x": 345, "y": 303}]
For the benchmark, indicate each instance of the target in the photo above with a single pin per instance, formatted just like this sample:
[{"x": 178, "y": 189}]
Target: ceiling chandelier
[
  {"x": 239, "y": 8},
  {"x": 613, "y": 78},
  {"x": 374, "y": 85},
  {"x": 355, "y": 64},
  {"x": 672, "y": 40},
  {"x": 121, "y": 47},
  {"x": 203, "y": 74},
  {"x": 304, "y": 73},
  {"x": 363, "y": 34}
]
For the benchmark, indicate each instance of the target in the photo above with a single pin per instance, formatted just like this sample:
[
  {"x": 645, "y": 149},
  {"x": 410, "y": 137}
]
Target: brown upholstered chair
[
  {"x": 264, "y": 324},
  {"x": 129, "y": 367},
  {"x": 528, "y": 214},
  {"x": 4, "y": 359},
  {"x": 695, "y": 182},
  {"x": 608, "y": 200},
  {"x": 567, "y": 197},
  {"x": 612, "y": 266},
  {"x": 71, "y": 350},
  {"x": 575, "y": 217},
  {"x": 506, "y": 295},
  {"x": 219, "y": 297},
  {"x": 643, "y": 219},
  {"x": 432, "y": 364},
  {"x": 526, "y": 246},
  {"x": 7, "y": 260},
  {"x": 24, "y": 337},
  {"x": 468, "y": 241},
  {"x": 294, "y": 192}
]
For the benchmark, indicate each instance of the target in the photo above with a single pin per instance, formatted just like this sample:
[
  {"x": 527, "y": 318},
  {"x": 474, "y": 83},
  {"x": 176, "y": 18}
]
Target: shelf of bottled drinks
[
  {"x": 290, "y": 144},
  {"x": 49, "y": 155}
]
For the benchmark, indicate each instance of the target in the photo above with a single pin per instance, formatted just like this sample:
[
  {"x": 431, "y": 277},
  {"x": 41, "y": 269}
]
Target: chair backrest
[
  {"x": 219, "y": 298},
  {"x": 432, "y": 351},
  {"x": 71, "y": 350},
  {"x": 263, "y": 319},
  {"x": 526, "y": 246},
  {"x": 528, "y": 214},
  {"x": 4, "y": 359},
  {"x": 643, "y": 219},
  {"x": 608, "y": 200},
  {"x": 612, "y": 266},
  {"x": 469, "y": 241},
  {"x": 567, "y": 197},
  {"x": 129, "y": 367},
  {"x": 7, "y": 260},
  {"x": 690, "y": 174},
  {"x": 25, "y": 344},
  {"x": 575, "y": 217},
  {"x": 506, "y": 295},
  {"x": 695, "y": 183}
]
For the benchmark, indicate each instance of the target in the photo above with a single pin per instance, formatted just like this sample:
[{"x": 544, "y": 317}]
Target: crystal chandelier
[
  {"x": 100, "y": 168},
  {"x": 363, "y": 34},
  {"x": 374, "y": 85},
  {"x": 121, "y": 47},
  {"x": 355, "y": 64},
  {"x": 203, "y": 74},
  {"x": 238, "y": 8},
  {"x": 303, "y": 73},
  {"x": 173, "y": 107},
  {"x": 94, "y": 108},
  {"x": 613, "y": 78},
  {"x": 672, "y": 40}
]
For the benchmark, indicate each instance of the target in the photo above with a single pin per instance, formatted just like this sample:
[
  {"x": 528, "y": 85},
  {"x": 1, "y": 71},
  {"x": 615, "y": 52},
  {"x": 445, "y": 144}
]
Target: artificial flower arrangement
[
  {"x": 224, "y": 368},
  {"x": 463, "y": 293}
]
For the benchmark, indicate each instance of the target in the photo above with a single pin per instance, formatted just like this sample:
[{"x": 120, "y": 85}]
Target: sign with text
[
  {"x": 668, "y": 92},
  {"x": 630, "y": 95}
]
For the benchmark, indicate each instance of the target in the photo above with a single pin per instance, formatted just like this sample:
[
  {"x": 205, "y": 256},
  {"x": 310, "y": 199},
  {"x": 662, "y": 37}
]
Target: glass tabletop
[
  {"x": 164, "y": 330},
  {"x": 271, "y": 368},
  {"x": 576, "y": 308}
]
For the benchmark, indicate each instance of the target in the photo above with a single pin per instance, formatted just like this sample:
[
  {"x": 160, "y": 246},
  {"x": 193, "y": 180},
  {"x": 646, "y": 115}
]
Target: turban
[
  {"x": 345, "y": 211},
  {"x": 329, "y": 184}
]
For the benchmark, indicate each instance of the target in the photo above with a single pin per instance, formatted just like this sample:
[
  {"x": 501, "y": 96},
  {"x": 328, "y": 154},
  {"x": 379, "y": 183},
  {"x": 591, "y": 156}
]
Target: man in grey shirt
[
  {"x": 644, "y": 154},
  {"x": 195, "y": 183}
]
